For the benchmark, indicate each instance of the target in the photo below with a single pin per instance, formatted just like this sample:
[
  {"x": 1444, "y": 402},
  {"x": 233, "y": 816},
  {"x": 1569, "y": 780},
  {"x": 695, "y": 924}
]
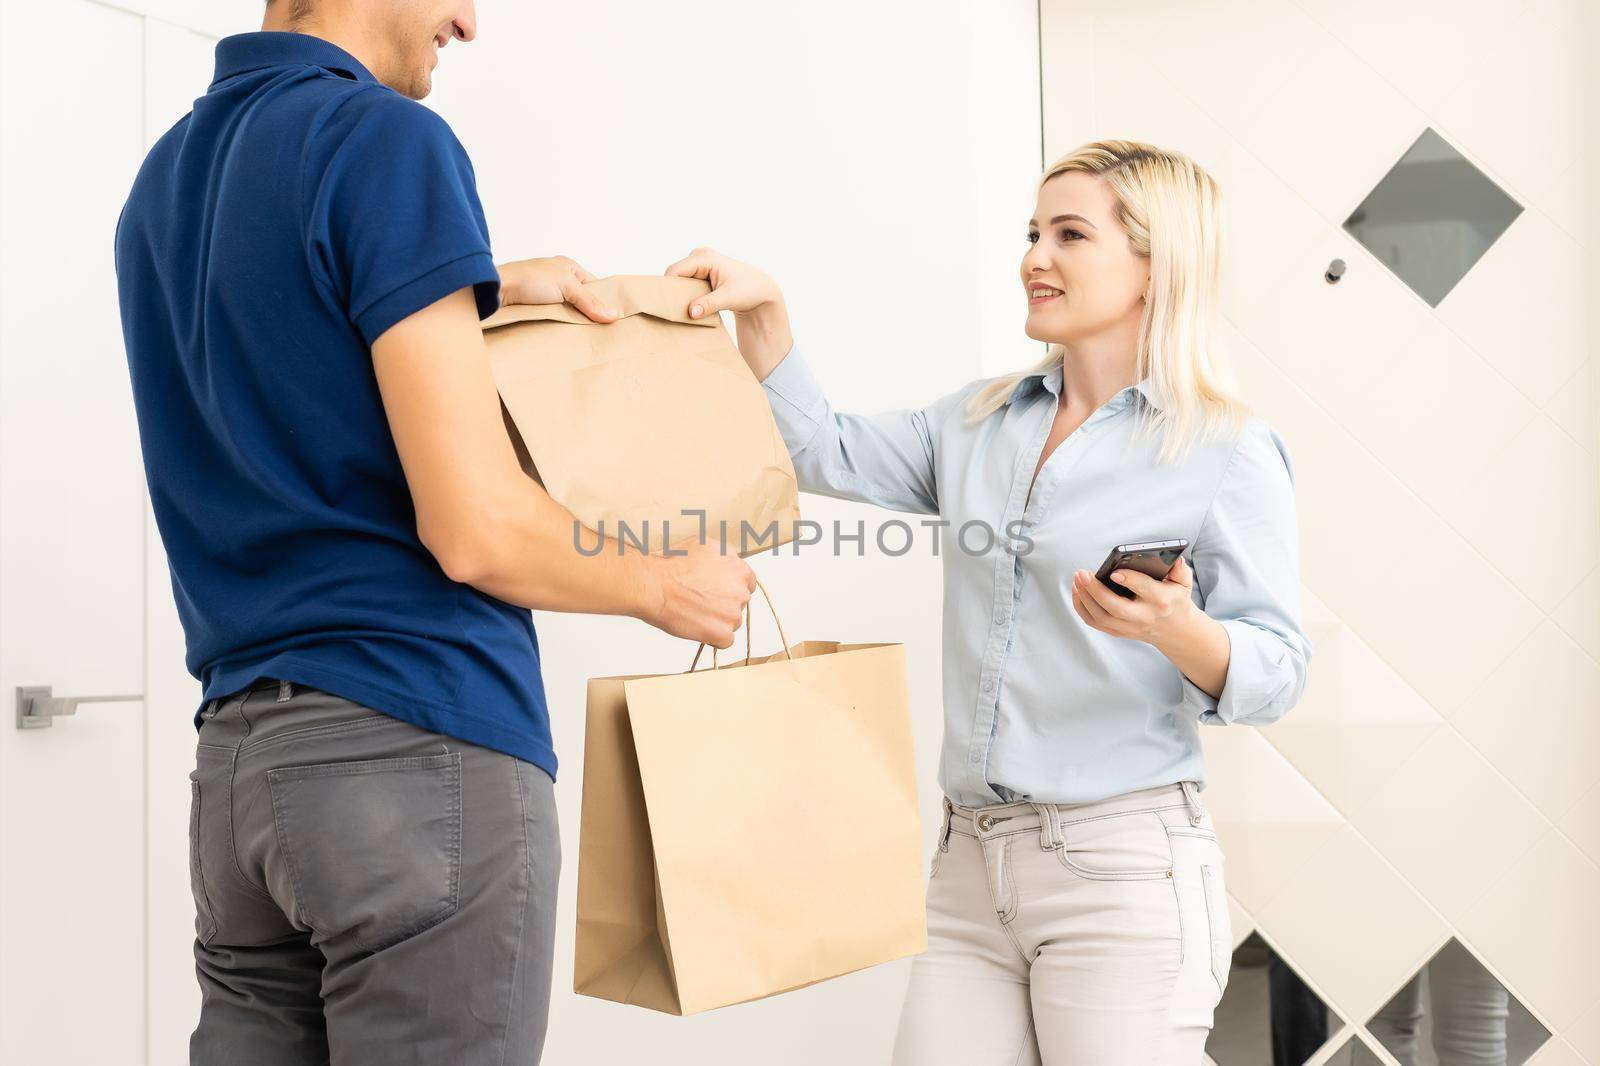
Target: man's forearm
[{"x": 527, "y": 555}]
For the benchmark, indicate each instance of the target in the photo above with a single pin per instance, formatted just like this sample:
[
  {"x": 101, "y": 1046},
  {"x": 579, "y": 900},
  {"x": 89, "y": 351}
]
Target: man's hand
[
  {"x": 552, "y": 280},
  {"x": 704, "y": 587}
]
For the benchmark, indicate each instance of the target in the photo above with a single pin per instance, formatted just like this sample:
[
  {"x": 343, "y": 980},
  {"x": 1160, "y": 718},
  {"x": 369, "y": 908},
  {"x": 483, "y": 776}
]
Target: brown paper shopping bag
[
  {"x": 748, "y": 829},
  {"x": 643, "y": 419}
]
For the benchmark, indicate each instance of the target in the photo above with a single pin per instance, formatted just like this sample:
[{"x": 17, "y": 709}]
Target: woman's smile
[{"x": 1041, "y": 294}]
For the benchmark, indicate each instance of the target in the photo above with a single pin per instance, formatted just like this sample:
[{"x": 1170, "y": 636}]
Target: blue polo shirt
[{"x": 274, "y": 233}]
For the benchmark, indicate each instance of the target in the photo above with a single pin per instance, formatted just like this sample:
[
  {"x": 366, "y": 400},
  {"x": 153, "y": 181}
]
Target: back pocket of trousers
[
  {"x": 205, "y": 923},
  {"x": 372, "y": 848}
]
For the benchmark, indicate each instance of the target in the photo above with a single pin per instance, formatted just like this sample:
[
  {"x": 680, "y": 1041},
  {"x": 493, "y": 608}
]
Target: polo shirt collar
[
  {"x": 1050, "y": 381},
  {"x": 243, "y": 52}
]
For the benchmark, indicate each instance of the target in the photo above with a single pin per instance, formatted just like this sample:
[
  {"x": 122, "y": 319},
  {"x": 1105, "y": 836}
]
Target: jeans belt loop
[
  {"x": 285, "y": 691},
  {"x": 944, "y": 828},
  {"x": 1047, "y": 825},
  {"x": 1197, "y": 813}
]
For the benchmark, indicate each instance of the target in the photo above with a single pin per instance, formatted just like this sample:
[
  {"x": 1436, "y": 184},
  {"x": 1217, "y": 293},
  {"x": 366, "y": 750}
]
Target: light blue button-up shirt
[{"x": 1038, "y": 705}]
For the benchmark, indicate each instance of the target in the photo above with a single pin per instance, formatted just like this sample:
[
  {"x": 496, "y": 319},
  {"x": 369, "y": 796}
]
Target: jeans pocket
[
  {"x": 1218, "y": 923},
  {"x": 1119, "y": 847},
  {"x": 205, "y": 922},
  {"x": 372, "y": 848},
  {"x": 1205, "y": 940}
]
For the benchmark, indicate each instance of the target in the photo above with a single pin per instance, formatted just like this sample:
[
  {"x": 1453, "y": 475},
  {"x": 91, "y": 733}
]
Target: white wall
[{"x": 878, "y": 159}]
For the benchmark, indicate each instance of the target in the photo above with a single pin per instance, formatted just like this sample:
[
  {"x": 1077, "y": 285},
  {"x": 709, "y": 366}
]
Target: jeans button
[{"x": 985, "y": 823}]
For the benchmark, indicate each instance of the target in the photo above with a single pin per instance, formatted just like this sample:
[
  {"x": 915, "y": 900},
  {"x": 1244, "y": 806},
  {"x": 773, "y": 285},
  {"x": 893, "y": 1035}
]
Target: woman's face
[{"x": 1080, "y": 276}]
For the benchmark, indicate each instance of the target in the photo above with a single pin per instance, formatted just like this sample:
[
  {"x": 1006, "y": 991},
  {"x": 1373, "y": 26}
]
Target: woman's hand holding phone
[
  {"x": 761, "y": 320},
  {"x": 1159, "y": 613}
]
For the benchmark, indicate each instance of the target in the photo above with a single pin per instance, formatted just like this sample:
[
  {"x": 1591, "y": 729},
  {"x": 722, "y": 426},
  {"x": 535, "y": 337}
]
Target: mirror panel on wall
[
  {"x": 1432, "y": 217},
  {"x": 1454, "y": 1010},
  {"x": 1268, "y": 1015}
]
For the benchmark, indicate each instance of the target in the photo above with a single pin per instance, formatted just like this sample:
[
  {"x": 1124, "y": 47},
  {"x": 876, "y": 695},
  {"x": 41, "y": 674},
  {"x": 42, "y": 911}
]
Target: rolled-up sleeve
[
  {"x": 885, "y": 459},
  {"x": 1247, "y": 568}
]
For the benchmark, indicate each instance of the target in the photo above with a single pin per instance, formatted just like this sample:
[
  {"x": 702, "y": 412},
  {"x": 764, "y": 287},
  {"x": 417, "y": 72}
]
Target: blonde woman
[{"x": 1076, "y": 908}]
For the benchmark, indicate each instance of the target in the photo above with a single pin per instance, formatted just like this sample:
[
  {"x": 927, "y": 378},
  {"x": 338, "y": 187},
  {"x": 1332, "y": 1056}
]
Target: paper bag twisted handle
[{"x": 747, "y": 623}]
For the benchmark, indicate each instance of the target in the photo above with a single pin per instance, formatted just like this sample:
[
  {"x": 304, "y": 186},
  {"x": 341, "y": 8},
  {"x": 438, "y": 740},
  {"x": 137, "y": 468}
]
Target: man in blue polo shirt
[{"x": 354, "y": 549}]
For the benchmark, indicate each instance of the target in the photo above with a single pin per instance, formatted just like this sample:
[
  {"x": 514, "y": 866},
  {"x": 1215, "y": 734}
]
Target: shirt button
[
  {"x": 988, "y": 686},
  {"x": 999, "y": 617}
]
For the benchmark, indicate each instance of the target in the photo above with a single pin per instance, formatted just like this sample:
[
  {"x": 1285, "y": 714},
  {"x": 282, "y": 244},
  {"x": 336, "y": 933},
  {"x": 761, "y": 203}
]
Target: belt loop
[
  {"x": 1197, "y": 813},
  {"x": 285, "y": 691},
  {"x": 944, "y": 828},
  {"x": 1049, "y": 827}
]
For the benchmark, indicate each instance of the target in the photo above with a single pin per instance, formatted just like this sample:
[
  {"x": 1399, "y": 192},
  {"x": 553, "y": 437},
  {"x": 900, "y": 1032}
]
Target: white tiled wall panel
[{"x": 1442, "y": 775}]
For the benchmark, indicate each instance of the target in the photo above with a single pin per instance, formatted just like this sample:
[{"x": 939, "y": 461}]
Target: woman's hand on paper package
[
  {"x": 703, "y": 589},
  {"x": 760, "y": 318},
  {"x": 554, "y": 280}
]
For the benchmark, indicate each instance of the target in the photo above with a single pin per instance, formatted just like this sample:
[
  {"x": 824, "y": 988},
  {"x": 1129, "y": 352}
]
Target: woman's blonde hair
[{"x": 1172, "y": 211}]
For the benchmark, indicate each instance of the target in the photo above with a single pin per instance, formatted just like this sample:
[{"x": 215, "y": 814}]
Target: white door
[
  {"x": 72, "y": 795},
  {"x": 95, "y": 914}
]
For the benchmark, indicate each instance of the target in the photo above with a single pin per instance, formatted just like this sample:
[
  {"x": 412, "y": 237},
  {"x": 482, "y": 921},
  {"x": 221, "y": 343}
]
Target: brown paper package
[
  {"x": 643, "y": 419},
  {"x": 749, "y": 829}
]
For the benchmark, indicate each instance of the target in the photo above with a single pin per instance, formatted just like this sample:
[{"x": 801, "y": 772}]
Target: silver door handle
[{"x": 37, "y": 708}]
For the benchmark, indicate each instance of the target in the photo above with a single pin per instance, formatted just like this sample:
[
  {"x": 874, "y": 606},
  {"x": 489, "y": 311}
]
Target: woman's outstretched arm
[{"x": 885, "y": 459}]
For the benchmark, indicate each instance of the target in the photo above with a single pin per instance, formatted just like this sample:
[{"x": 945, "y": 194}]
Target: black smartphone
[{"x": 1153, "y": 557}]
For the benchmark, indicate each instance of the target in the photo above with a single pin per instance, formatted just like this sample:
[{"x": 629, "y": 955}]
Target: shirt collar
[
  {"x": 244, "y": 52},
  {"x": 1050, "y": 381}
]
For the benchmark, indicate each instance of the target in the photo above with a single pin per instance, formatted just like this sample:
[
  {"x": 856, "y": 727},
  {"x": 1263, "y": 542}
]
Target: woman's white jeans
[{"x": 1086, "y": 935}]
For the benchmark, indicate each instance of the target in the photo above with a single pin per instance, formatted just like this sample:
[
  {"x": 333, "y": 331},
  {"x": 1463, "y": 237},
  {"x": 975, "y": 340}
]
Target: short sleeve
[{"x": 393, "y": 214}]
